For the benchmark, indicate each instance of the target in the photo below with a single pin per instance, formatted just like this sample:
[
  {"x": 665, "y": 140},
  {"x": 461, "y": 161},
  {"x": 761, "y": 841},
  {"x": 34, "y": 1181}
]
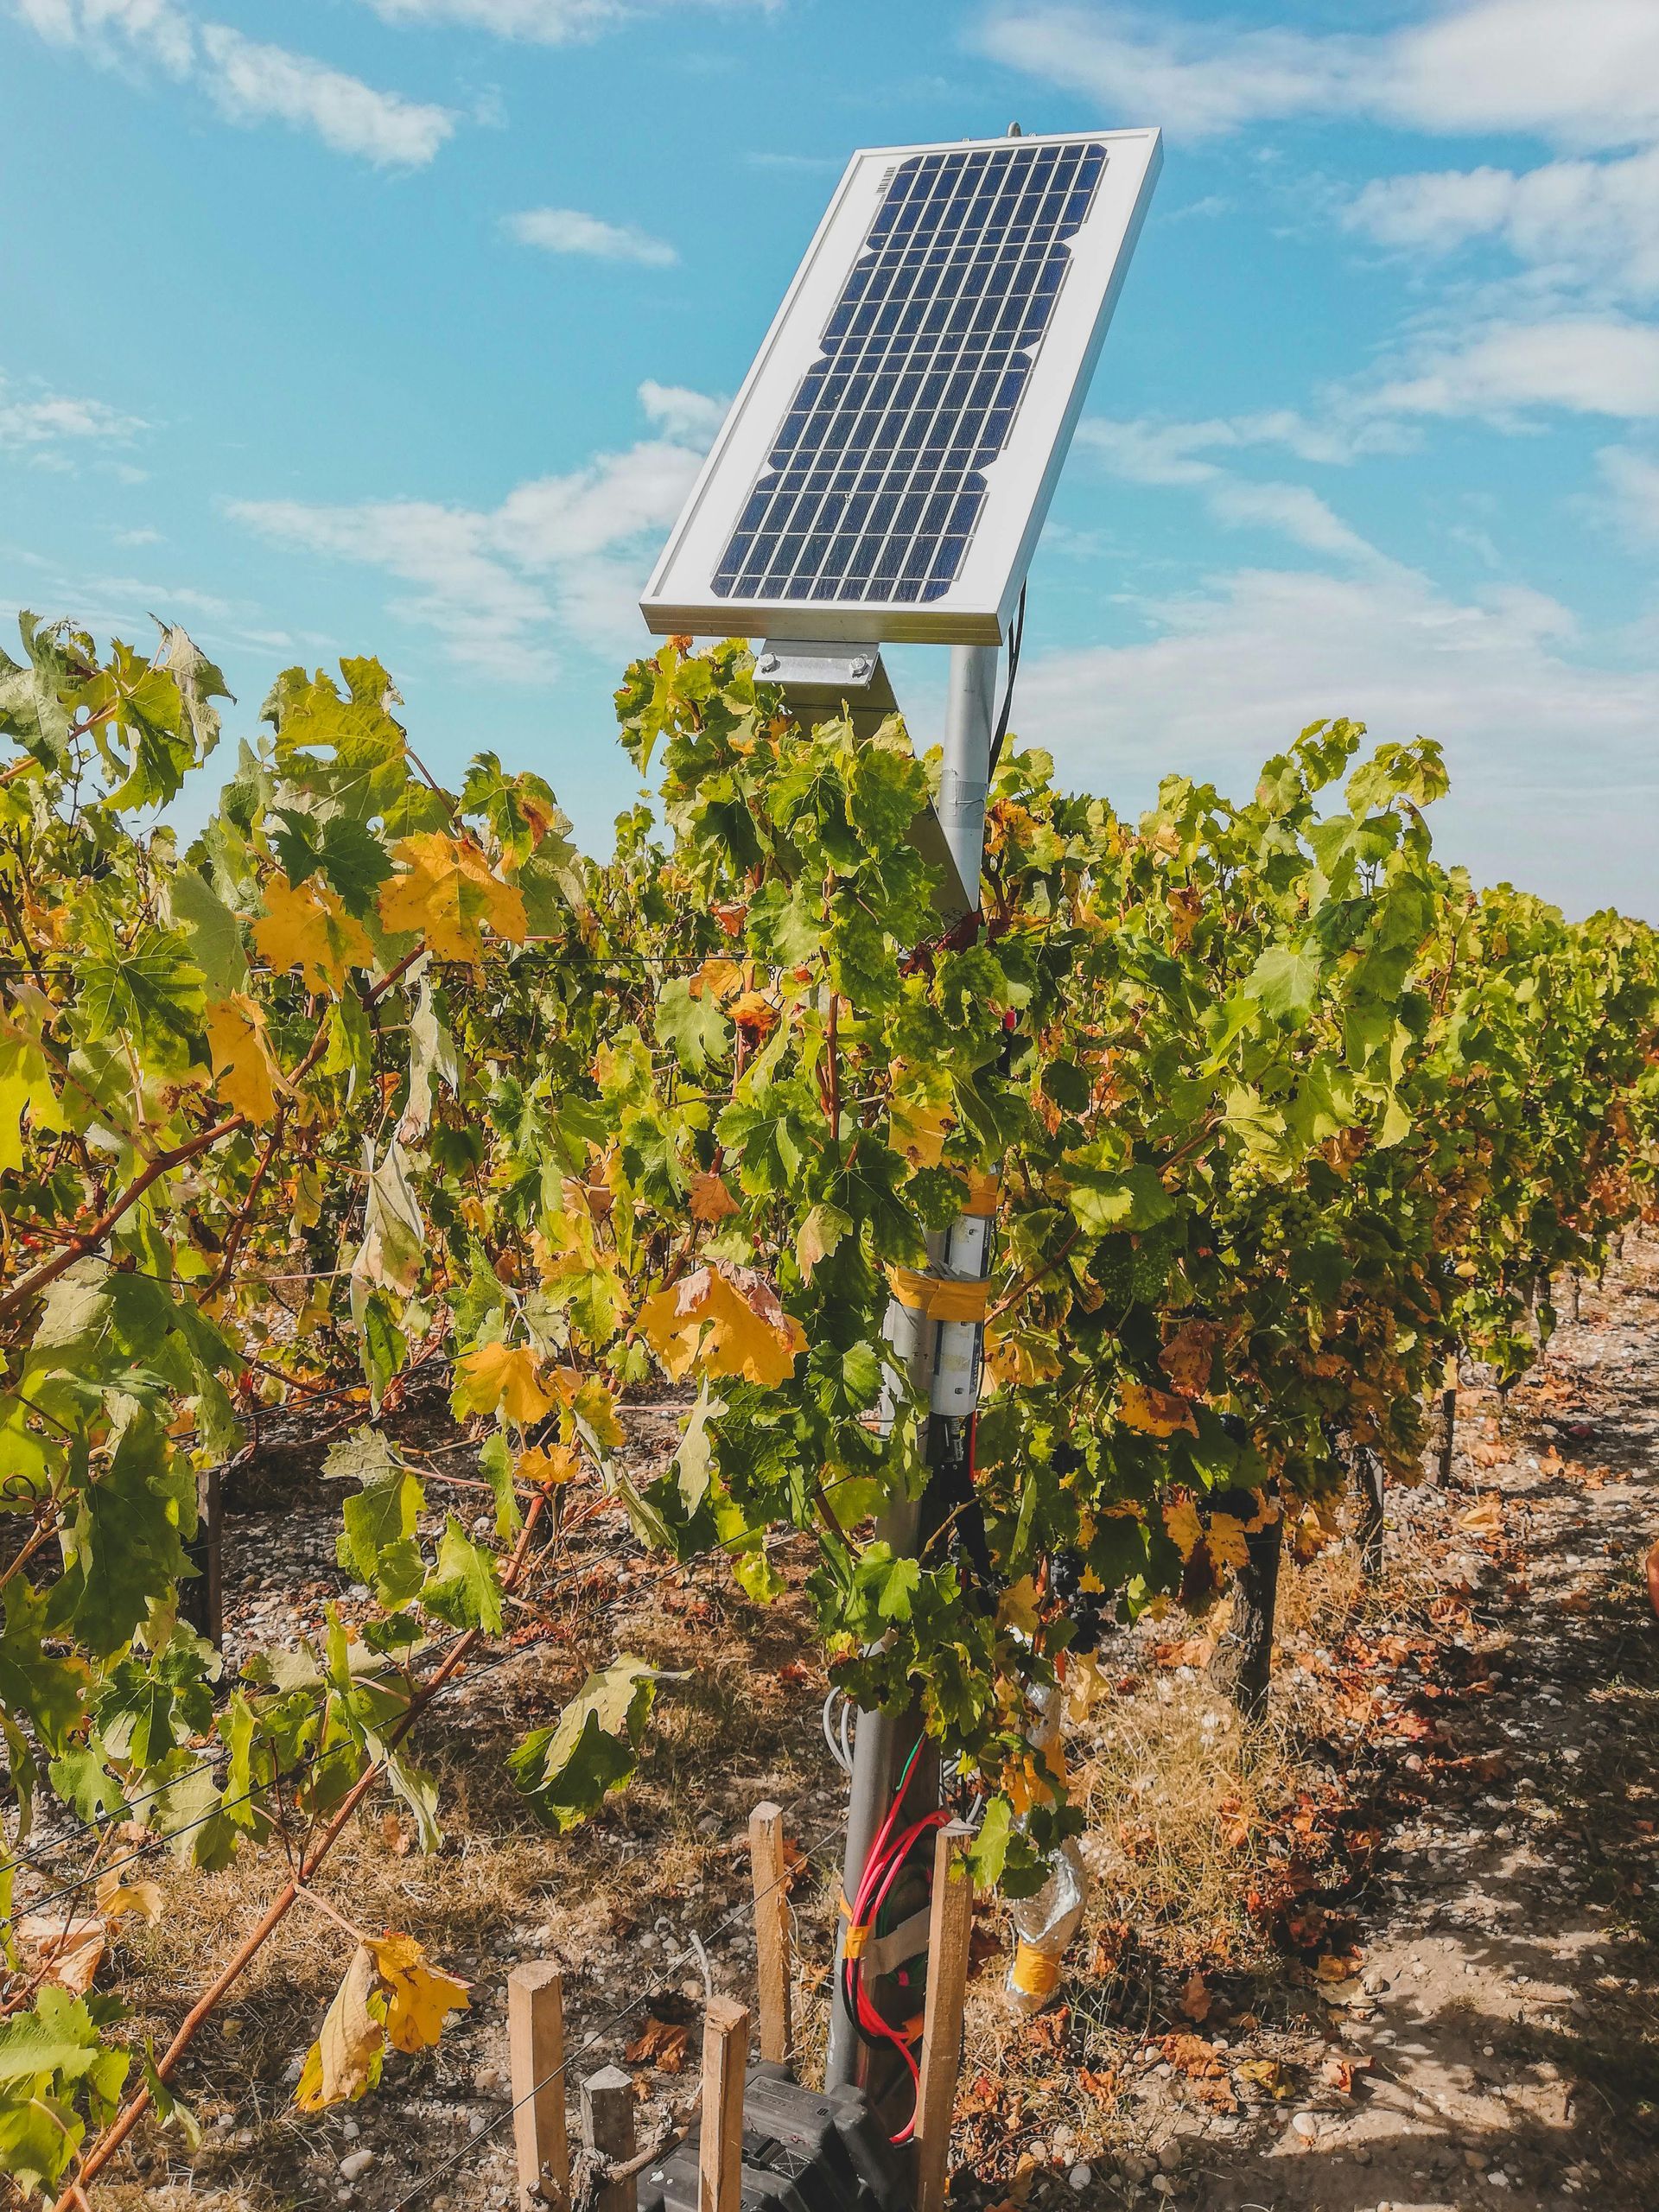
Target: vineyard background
[{"x": 556, "y": 1208}]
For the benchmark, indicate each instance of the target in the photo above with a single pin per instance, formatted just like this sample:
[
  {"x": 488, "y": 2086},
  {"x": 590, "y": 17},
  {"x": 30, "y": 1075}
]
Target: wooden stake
[
  {"x": 948, "y": 1934},
  {"x": 770, "y": 1928},
  {"x": 608, "y": 2130},
  {"x": 536, "y": 2047},
  {"x": 725, "y": 2062}
]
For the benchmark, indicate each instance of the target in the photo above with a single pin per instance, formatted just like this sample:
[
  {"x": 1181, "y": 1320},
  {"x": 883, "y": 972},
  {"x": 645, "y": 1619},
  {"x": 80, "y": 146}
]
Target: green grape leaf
[
  {"x": 566, "y": 1772},
  {"x": 463, "y": 1590}
]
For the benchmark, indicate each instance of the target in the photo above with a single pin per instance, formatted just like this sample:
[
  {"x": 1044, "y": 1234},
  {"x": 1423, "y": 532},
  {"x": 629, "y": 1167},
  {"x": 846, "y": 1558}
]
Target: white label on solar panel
[{"x": 887, "y": 466}]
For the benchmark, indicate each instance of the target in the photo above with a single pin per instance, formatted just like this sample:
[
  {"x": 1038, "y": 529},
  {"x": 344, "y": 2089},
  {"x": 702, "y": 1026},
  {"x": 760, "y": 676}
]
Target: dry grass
[{"x": 740, "y": 1725}]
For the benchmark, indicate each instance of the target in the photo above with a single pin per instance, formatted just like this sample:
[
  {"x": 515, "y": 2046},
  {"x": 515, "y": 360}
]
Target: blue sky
[{"x": 398, "y": 325}]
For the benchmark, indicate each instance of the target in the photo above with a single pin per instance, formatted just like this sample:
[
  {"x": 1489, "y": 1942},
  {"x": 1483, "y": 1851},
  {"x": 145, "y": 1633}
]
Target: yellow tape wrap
[
  {"x": 852, "y": 1944},
  {"x": 940, "y": 1299},
  {"x": 1035, "y": 1974},
  {"x": 912, "y": 1290},
  {"x": 981, "y": 1201}
]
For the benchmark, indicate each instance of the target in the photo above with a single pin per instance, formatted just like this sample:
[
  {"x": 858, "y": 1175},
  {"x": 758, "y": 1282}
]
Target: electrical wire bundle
[{"x": 889, "y": 1855}]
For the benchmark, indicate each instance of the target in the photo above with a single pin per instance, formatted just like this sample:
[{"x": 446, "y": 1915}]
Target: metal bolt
[
  {"x": 861, "y": 666},
  {"x": 766, "y": 663}
]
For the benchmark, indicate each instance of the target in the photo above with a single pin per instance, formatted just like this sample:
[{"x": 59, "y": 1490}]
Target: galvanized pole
[{"x": 940, "y": 1358}]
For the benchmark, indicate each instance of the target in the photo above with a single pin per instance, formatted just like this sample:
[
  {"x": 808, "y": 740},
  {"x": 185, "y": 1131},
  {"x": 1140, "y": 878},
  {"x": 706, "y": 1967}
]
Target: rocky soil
[{"x": 1400, "y": 1959}]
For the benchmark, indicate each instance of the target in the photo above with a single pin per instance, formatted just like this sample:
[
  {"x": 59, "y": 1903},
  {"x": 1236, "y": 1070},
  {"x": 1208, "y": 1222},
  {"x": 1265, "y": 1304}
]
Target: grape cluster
[
  {"x": 1089, "y": 1610},
  {"x": 1269, "y": 1219}
]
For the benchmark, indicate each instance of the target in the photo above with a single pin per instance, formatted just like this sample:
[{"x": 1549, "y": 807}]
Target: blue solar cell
[{"x": 874, "y": 487}]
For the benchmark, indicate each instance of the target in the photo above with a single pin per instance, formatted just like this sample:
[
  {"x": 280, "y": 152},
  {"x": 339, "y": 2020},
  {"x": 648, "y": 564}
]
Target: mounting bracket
[{"x": 819, "y": 681}]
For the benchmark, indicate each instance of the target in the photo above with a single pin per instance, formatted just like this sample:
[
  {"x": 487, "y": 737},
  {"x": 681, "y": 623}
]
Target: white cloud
[
  {"x": 1143, "y": 452},
  {"x": 252, "y": 83},
  {"x": 546, "y": 22},
  {"x": 156, "y": 29},
  {"x": 551, "y": 22},
  {"x": 1588, "y": 365},
  {"x": 1586, "y": 73},
  {"x": 560, "y": 558},
  {"x": 678, "y": 413},
  {"x": 1631, "y": 480},
  {"x": 1152, "y": 452},
  {"x": 1585, "y": 222},
  {"x": 247, "y": 82},
  {"x": 1294, "y": 509},
  {"x": 45, "y": 422},
  {"x": 567, "y": 230},
  {"x": 1553, "y": 782}
]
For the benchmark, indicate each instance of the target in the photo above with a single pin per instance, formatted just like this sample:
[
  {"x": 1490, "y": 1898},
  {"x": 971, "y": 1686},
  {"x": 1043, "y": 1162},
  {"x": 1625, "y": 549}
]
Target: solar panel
[
  {"x": 876, "y": 483},
  {"x": 886, "y": 468}
]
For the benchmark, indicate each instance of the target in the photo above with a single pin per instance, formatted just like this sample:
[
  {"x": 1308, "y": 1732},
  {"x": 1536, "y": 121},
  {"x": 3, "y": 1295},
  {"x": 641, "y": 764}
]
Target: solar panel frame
[{"x": 793, "y": 370}]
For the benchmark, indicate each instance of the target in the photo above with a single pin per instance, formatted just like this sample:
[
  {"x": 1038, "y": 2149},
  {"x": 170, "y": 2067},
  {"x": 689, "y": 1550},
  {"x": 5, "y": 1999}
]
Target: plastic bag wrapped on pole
[{"x": 1045, "y": 1924}]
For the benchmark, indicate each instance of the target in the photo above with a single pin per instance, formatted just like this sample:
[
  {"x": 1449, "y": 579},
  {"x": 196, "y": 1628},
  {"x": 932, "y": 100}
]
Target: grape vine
[{"x": 372, "y": 1078}]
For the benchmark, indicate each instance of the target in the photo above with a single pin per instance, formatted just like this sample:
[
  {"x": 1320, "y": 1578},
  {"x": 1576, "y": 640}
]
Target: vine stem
[
  {"x": 72, "y": 2199},
  {"x": 1030, "y": 1281},
  {"x": 244, "y": 1212}
]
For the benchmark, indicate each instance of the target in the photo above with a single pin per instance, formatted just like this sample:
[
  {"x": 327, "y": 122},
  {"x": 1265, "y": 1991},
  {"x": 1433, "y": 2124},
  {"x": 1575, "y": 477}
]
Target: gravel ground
[{"x": 1469, "y": 1767}]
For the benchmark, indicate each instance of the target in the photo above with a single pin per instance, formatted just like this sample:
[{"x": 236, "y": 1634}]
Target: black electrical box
[{"x": 804, "y": 2151}]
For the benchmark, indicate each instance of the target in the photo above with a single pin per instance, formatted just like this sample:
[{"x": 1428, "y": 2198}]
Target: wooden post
[
  {"x": 948, "y": 1934},
  {"x": 536, "y": 2047},
  {"x": 725, "y": 2062},
  {"x": 1448, "y": 1433},
  {"x": 1371, "y": 1481},
  {"x": 608, "y": 2131},
  {"x": 771, "y": 1928}
]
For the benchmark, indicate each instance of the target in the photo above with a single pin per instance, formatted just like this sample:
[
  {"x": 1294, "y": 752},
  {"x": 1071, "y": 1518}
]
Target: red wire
[{"x": 885, "y": 1862}]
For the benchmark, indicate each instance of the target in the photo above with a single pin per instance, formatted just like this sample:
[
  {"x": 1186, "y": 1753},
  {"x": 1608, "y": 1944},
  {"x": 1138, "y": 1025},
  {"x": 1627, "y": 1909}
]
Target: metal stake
[{"x": 941, "y": 1358}]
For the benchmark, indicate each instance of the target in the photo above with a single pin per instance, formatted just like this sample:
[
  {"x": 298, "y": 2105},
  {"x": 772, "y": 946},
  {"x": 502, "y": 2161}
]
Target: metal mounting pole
[
  {"x": 969, "y": 719},
  {"x": 941, "y": 1358}
]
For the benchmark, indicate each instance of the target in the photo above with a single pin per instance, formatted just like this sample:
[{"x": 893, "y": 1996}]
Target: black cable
[{"x": 1016, "y": 638}]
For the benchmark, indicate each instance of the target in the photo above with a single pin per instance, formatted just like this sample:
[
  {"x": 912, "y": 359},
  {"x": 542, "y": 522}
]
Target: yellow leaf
[
  {"x": 1183, "y": 1525},
  {"x": 1021, "y": 1357},
  {"x": 503, "y": 1376},
  {"x": 725, "y": 1321},
  {"x": 1486, "y": 1519},
  {"x": 447, "y": 894},
  {"x": 243, "y": 1067},
  {"x": 1226, "y": 1541},
  {"x": 116, "y": 1897},
  {"x": 310, "y": 929},
  {"x": 1017, "y": 1606},
  {"x": 66, "y": 1952},
  {"x": 718, "y": 978},
  {"x": 1022, "y": 1785},
  {"x": 419, "y": 1997},
  {"x": 547, "y": 1468},
  {"x": 753, "y": 1011},
  {"x": 919, "y": 1131},
  {"x": 819, "y": 1235},
  {"x": 1085, "y": 1686},
  {"x": 1153, "y": 1412},
  {"x": 711, "y": 1198},
  {"x": 345, "y": 2060}
]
